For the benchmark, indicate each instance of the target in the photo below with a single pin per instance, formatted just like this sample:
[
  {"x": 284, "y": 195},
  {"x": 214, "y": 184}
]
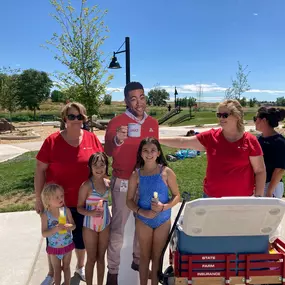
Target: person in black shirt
[{"x": 273, "y": 147}]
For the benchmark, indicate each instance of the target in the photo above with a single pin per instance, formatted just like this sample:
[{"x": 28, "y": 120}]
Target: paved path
[
  {"x": 23, "y": 258},
  {"x": 11, "y": 151}
]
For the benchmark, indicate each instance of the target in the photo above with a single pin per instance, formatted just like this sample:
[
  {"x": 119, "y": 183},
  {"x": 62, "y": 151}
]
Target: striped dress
[{"x": 96, "y": 223}]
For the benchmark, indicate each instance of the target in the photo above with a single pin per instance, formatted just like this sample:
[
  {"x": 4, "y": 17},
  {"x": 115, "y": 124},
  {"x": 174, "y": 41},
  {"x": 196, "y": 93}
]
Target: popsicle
[
  {"x": 155, "y": 197},
  {"x": 62, "y": 220},
  {"x": 98, "y": 220}
]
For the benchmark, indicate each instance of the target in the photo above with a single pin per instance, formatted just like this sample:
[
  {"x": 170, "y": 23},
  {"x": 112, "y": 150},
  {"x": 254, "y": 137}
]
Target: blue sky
[{"x": 173, "y": 43}]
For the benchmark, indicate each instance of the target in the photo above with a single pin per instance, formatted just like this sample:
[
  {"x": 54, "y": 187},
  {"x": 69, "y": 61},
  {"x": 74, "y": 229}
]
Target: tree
[
  {"x": 158, "y": 97},
  {"x": 57, "y": 96},
  {"x": 242, "y": 101},
  {"x": 107, "y": 99},
  {"x": 34, "y": 87},
  {"x": 252, "y": 102},
  {"x": 73, "y": 92},
  {"x": 8, "y": 92},
  {"x": 191, "y": 103},
  {"x": 239, "y": 85},
  {"x": 147, "y": 100},
  {"x": 280, "y": 101},
  {"x": 9, "y": 97},
  {"x": 78, "y": 48}
]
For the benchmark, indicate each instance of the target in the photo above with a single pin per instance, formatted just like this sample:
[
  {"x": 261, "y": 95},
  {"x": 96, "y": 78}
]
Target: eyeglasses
[
  {"x": 254, "y": 118},
  {"x": 72, "y": 117},
  {"x": 222, "y": 115}
]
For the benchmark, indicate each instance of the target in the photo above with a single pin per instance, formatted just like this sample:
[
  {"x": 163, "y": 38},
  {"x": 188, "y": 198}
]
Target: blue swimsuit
[{"x": 148, "y": 185}]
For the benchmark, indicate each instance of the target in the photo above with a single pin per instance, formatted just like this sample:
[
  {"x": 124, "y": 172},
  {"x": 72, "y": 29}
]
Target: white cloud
[
  {"x": 115, "y": 89},
  {"x": 213, "y": 99},
  {"x": 266, "y": 91},
  {"x": 58, "y": 83},
  {"x": 194, "y": 87},
  {"x": 212, "y": 88},
  {"x": 255, "y": 14}
]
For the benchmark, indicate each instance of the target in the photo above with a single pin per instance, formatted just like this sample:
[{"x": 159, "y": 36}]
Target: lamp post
[
  {"x": 114, "y": 64},
  {"x": 175, "y": 94}
]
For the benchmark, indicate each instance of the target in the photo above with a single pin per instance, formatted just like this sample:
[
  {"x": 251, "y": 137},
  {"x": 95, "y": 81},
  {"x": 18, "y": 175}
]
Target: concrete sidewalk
[
  {"x": 10, "y": 151},
  {"x": 23, "y": 258},
  {"x": 39, "y": 271}
]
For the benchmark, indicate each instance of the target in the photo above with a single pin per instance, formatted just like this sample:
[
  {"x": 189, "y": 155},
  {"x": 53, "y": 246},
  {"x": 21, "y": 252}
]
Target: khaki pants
[{"x": 120, "y": 215}]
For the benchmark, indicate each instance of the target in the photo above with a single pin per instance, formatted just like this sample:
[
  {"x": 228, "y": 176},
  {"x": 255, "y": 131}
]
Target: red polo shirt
[
  {"x": 125, "y": 156},
  {"x": 68, "y": 165},
  {"x": 229, "y": 171}
]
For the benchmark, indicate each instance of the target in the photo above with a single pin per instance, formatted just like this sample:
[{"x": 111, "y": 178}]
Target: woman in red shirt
[
  {"x": 63, "y": 159},
  {"x": 235, "y": 159}
]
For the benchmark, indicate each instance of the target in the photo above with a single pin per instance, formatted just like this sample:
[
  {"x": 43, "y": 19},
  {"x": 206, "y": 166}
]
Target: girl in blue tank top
[{"x": 152, "y": 181}]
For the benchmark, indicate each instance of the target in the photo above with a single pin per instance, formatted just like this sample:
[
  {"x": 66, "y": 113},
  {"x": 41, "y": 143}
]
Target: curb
[
  {"x": 12, "y": 157},
  {"x": 20, "y": 138}
]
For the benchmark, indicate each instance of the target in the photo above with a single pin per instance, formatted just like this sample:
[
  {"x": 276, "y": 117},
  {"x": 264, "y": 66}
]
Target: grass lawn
[
  {"x": 17, "y": 182},
  {"x": 203, "y": 117},
  {"x": 16, "y": 179},
  {"x": 206, "y": 115}
]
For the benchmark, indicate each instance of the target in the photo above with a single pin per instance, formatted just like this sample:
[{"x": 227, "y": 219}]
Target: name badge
[{"x": 124, "y": 186}]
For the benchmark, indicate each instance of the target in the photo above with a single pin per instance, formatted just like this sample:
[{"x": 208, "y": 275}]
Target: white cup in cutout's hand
[{"x": 134, "y": 130}]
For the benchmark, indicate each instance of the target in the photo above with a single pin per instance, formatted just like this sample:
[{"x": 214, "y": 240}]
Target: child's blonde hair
[{"x": 48, "y": 192}]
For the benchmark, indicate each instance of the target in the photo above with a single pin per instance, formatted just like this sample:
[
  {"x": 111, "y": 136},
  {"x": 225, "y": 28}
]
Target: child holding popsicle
[
  {"x": 57, "y": 225},
  {"x": 153, "y": 179},
  {"x": 93, "y": 204}
]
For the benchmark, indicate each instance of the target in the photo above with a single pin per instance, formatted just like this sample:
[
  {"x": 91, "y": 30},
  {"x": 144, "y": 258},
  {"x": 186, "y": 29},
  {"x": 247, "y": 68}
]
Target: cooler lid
[{"x": 232, "y": 216}]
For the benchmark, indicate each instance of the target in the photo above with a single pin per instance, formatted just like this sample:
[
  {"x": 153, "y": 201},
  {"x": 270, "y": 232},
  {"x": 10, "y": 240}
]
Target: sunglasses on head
[
  {"x": 72, "y": 117},
  {"x": 222, "y": 115}
]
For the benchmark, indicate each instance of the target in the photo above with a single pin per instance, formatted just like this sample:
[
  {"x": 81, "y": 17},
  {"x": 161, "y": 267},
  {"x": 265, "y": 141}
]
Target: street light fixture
[{"x": 114, "y": 64}]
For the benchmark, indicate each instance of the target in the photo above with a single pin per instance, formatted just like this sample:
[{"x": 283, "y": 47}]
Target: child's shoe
[
  {"x": 81, "y": 273},
  {"x": 48, "y": 280}
]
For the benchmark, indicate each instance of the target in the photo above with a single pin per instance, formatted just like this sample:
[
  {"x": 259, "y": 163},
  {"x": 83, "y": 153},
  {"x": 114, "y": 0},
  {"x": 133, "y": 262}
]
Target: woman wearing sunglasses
[
  {"x": 235, "y": 159},
  {"x": 63, "y": 159},
  {"x": 273, "y": 146}
]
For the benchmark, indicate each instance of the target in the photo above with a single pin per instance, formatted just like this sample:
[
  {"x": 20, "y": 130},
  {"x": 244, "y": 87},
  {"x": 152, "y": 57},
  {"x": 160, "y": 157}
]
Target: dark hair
[
  {"x": 160, "y": 160},
  {"x": 93, "y": 160},
  {"x": 190, "y": 133},
  {"x": 272, "y": 115},
  {"x": 132, "y": 86}
]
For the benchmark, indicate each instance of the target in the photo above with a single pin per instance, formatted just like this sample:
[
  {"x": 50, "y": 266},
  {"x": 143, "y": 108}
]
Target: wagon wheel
[{"x": 167, "y": 273}]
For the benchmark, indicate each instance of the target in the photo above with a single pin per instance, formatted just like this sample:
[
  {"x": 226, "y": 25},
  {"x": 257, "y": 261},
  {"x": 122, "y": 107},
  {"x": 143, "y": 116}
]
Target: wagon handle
[{"x": 185, "y": 197}]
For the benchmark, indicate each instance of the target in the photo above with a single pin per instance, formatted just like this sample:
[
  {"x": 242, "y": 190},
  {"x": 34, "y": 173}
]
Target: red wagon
[{"x": 226, "y": 241}]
